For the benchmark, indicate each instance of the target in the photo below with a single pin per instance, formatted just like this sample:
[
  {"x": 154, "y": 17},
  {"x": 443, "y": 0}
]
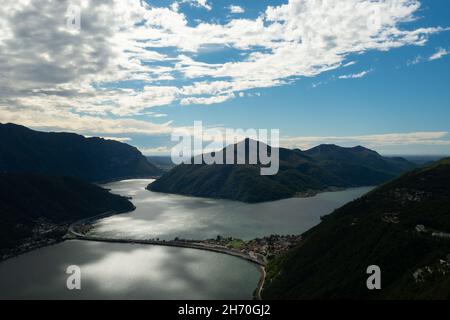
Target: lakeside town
[
  {"x": 260, "y": 249},
  {"x": 266, "y": 247},
  {"x": 43, "y": 234}
]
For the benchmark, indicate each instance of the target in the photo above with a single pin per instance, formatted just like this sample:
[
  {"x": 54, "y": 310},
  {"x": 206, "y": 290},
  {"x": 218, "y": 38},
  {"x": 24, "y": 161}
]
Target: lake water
[
  {"x": 130, "y": 271},
  {"x": 167, "y": 216},
  {"x": 127, "y": 271}
]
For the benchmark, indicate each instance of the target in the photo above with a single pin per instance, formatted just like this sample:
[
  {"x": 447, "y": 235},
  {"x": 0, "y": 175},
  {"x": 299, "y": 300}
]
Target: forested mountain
[
  {"x": 37, "y": 208},
  {"x": 317, "y": 169},
  {"x": 403, "y": 227},
  {"x": 69, "y": 154}
]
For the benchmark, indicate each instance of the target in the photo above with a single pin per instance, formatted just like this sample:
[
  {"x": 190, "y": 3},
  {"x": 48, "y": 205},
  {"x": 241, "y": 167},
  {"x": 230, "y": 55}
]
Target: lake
[
  {"x": 130, "y": 271},
  {"x": 127, "y": 271},
  {"x": 167, "y": 216}
]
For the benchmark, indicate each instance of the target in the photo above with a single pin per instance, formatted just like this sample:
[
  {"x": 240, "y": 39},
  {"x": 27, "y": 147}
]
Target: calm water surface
[
  {"x": 126, "y": 271},
  {"x": 167, "y": 216},
  {"x": 129, "y": 271}
]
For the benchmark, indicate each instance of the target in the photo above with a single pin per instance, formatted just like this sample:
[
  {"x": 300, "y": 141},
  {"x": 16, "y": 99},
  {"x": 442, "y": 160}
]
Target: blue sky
[{"x": 375, "y": 73}]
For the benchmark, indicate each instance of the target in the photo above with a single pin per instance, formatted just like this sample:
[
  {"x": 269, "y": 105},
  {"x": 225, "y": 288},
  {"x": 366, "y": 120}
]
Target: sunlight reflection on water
[
  {"x": 125, "y": 271},
  {"x": 167, "y": 216},
  {"x": 130, "y": 271}
]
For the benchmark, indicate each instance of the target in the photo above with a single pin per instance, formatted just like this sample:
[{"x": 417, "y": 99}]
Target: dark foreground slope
[
  {"x": 318, "y": 169},
  {"x": 36, "y": 209},
  {"x": 69, "y": 154},
  {"x": 402, "y": 227}
]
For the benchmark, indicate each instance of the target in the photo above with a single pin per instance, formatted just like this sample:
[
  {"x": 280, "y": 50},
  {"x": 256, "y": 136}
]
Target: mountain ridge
[
  {"x": 402, "y": 226},
  {"x": 36, "y": 209},
  {"x": 69, "y": 154},
  {"x": 299, "y": 172}
]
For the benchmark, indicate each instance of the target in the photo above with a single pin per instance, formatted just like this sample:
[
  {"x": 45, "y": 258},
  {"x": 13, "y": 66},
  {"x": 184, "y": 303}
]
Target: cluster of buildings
[
  {"x": 405, "y": 195},
  {"x": 435, "y": 233},
  {"x": 267, "y": 246},
  {"x": 272, "y": 245},
  {"x": 438, "y": 269}
]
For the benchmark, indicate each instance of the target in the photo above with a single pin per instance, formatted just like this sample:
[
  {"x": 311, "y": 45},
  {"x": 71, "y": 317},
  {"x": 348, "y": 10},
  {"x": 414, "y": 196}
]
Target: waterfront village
[
  {"x": 267, "y": 247},
  {"x": 260, "y": 248}
]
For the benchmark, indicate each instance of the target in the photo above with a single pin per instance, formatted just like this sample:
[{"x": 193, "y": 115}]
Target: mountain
[
  {"x": 358, "y": 165},
  {"x": 403, "y": 227},
  {"x": 310, "y": 171},
  {"x": 424, "y": 159},
  {"x": 69, "y": 154},
  {"x": 162, "y": 162},
  {"x": 36, "y": 208}
]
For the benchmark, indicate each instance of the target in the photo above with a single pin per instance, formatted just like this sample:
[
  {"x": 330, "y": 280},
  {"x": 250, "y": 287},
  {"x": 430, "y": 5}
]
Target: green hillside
[
  {"x": 310, "y": 171},
  {"x": 68, "y": 154},
  {"x": 402, "y": 227},
  {"x": 36, "y": 208}
]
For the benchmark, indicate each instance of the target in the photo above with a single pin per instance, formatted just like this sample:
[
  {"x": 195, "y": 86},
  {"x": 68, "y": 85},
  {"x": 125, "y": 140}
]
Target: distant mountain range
[
  {"x": 300, "y": 172},
  {"x": 403, "y": 227},
  {"x": 36, "y": 209},
  {"x": 69, "y": 154},
  {"x": 162, "y": 162}
]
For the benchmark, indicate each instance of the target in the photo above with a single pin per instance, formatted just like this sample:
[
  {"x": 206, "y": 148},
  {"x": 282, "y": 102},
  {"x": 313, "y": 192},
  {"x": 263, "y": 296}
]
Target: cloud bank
[
  {"x": 372, "y": 141},
  {"x": 129, "y": 56}
]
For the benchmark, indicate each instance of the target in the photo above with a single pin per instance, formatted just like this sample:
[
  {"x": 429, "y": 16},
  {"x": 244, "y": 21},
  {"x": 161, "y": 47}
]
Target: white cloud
[
  {"x": 355, "y": 75},
  {"x": 375, "y": 141},
  {"x": 63, "y": 120},
  {"x": 204, "y": 4},
  {"x": 418, "y": 59},
  {"x": 155, "y": 151},
  {"x": 175, "y": 6},
  {"x": 206, "y": 100},
  {"x": 236, "y": 9},
  {"x": 198, "y": 3},
  {"x": 297, "y": 47},
  {"x": 371, "y": 141},
  {"x": 120, "y": 139},
  {"x": 81, "y": 79},
  {"x": 441, "y": 52},
  {"x": 350, "y": 63}
]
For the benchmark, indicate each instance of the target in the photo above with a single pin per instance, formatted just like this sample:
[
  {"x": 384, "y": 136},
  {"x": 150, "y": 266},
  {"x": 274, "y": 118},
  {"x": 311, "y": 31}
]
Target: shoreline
[
  {"x": 106, "y": 181},
  {"x": 68, "y": 237},
  {"x": 72, "y": 234},
  {"x": 33, "y": 247},
  {"x": 299, "y": 195},
  {"x": 43, "y": 241},
  {"x": 260, "y": 287}
]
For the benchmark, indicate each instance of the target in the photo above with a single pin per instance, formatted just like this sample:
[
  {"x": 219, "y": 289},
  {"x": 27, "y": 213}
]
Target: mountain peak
[
  {"x": 329, "y": 146},
  {"x": 359, "y": 147},
  {"x": 332, "y": 149},
  {"x": 69, "y": 154},
  {"x": 315, "y": 169}
]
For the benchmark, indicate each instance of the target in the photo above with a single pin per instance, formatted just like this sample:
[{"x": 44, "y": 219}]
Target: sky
[{"x": 351, "y": 72}]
